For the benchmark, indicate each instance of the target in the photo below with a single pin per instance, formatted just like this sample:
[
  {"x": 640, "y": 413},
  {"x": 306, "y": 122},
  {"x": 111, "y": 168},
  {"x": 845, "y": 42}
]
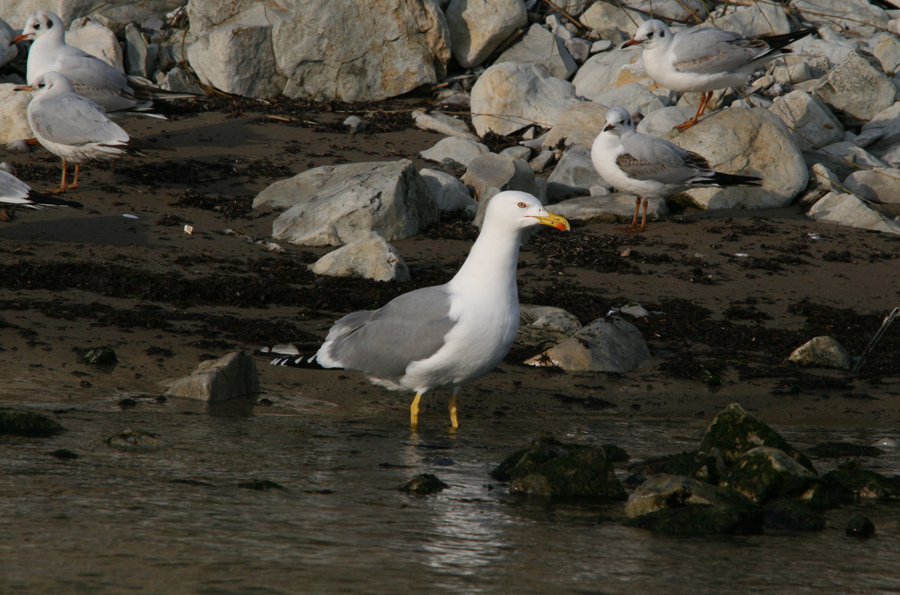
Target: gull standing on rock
[
  {"x": 70, "y": 126},
  {"x": 703, "y": 59},
  {"x": 447, "y": 335},
  {"x": 90, "y": 76},
  {"x": 648, "y": 166}
]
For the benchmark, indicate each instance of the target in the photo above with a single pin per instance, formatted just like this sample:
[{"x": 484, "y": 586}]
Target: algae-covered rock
[
  {"x": 99, "y": 356},
  {"x": 424, "y": 484},
  {"x": 764, "y": 473},
  {"x": 27, "y": 423},
  {"x": 615, "y": 454},
  {"x": 839, "y": 450},
  {"x": 135, "y": 440},
  {"x": 734, "y": 432},
  {"x": 680, "y": 505},
  {"x": 549, "y": 468},
  {"x": 790, "y": 514},
  {"x": 261, "y": 485},
  {"x": 863, "y": 483},
  {"x": 860, "y": 526},
  {"x": 705, "y": 467}
]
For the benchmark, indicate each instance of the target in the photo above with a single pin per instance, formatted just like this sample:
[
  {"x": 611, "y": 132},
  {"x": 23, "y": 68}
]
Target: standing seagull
[
  {"x": 90, "y": 76},
  {"x": 648, "y": 166},
  {"x": 70, "y": 126},
  {"x": 14, "y": 191},
  {"x": 447, "y": 335},
  {"x": 703, "y": 59}
]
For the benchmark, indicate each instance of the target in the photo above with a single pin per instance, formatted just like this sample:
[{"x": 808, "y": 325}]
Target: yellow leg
[
  {"x": 414, "y": 411},
  {"x": 454, "y": 422}
]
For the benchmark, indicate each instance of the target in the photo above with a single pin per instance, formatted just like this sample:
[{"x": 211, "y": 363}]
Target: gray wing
[
  {"x": 655, "y": 159},
  {"x": 706, "y": 50},
  {"x": 73, "y": 120},
  {"x": 384, "y": 342},
  {"x": 98, "y": 81}
]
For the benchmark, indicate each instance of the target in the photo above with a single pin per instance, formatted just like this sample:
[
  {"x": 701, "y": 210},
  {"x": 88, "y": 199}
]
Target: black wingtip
[
  {"x": 307, "y": 361},
  {"x": 725, "y": 180},
  {"x": 46, "y": 200}
]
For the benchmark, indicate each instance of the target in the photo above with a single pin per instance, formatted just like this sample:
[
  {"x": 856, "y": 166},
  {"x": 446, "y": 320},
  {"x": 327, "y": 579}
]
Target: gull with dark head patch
[
  {"x": 648, "y": 166},
  {"x": 703, "y": 59}
]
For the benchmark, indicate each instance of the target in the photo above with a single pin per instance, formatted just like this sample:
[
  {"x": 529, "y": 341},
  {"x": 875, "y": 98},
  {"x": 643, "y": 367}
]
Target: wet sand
[{"x": 732, "y": 293}]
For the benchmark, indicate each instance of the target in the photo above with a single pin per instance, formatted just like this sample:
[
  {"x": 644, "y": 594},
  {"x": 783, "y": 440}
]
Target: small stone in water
[
  {"x": 100, "y": 356},
  {"x": 262, "y": 485},
  {"x": 424, "y": 484},
  {"x": 860, "y": 526},
  {"x": 135, "y": 440},
  {"x": 26, "y": 423},
  {"x": 64, "y": 454}
]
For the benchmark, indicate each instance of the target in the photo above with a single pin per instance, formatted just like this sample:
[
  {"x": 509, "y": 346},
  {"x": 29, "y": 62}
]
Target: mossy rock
[
  {"x": 863, "y": 483},
  {"x": 616, "y": 454},
  {"x": 701, "y": 520},
  {"x": 734, "y": 432},
  {"x": 99, "y": 356},
  {"x": 705, "y": 467},
  {"x": 135, "y": 440},
  {"x": 27, "y": 423},
  {"x": 792, "y": 515},
  {"x": 765, "y": 473},
  {"x": 551, "y": 469},
  {"x": 424, "y": 484},
  {"x": 840, "y": 450}
]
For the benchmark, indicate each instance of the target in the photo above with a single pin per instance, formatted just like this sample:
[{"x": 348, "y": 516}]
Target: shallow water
[{"x": 175, "y": 521}]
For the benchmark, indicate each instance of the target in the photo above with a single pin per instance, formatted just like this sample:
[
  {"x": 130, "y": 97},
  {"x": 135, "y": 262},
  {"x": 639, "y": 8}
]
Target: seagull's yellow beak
[{"x": 557, "y": 221}]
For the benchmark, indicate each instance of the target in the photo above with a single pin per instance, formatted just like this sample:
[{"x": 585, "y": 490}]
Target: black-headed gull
[
  {"x": 70, "y": 126},
  {"x": 14, "y": 191},
  {"x": 90, "y": 76},
  {"x": 447, "y": 335},
  {"x": 703, "y": 59},
  {"x": 648, "y": 166}
]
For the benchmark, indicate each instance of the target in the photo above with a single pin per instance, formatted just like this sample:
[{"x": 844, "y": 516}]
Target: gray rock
[
  {"x": 458, "y": 149},
  {"x": 856, "y": 15},
  {"x": 674, "y": 504},
  {"x": 579, "y": 49},
  {"x": 354, "y": 124},
  {"x": 812, "y": 123},
  {"x": 359, "y": 51},
  {"x": 578, "y": 126},
  {"x": 634, "y": 97},
  {"x": 856, "y": 87},
  {"x": 449, "y": 193},
  {"x": 607, "y": 208},
  {"x": 601, "y": 46},
  {"x": 607, "y": 71},
  {"x": 605, "y": 345},
  {"x": 823, "y": 55},
  {"x": 603, "y": 15},
  {"x": 178, "y": 80},
  {"x": 510, "y": 96},
  {"x": 217, "y": 380},
  {"x": 336, "y": 204},
  {"x": 478, "y": 27},
  {"x": 519, "y": 152},
  {"x": 747, "y": 141},
  {"x": 676, "y": 10},
  {"x": 887, "y": 50},
  {"x": 792, "y": 69},
  {"x": 237, "y": 56},
  {"x": 853, "y": 154},
  {"x": 765, "y": 473},
  {"x": 573, "y": 176},
  {"x": 881, "y": 184},
  {"x": 757, "y": 19},
  {"x": 369, "y": 257},
  {"x": 539, "y": 46},
  {"x": 886, "y": 124},
  {"x": 544, "y": 326},
  {"x": 14, "y": 114},
  {"x": 542, "y": 161},
  {"x": 91, "y": 36},
  {"x": 492, "y": 173},
  {"x": 822, "y": 352},
  {"x": 821, "y": 181},
  {"x": 444, "y": 124},
  {"x": 140, "y": 57},
  {"x": 847, "y": 209},
  {"x": 661, "y": 121}
]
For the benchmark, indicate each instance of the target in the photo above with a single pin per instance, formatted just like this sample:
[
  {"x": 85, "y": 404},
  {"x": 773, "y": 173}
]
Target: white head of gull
[{"x": 445, "y": 336}]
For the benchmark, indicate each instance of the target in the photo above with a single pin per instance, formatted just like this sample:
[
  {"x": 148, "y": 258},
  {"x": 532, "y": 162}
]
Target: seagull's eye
[
  {"x": 37, "y": 26},
  {"x": 650, "y": 35},
  {"x": 522, "y": 205}
]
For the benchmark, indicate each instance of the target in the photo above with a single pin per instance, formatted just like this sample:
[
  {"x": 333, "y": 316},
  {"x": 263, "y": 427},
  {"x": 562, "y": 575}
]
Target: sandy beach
[{"x": 732, "y": 293}]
